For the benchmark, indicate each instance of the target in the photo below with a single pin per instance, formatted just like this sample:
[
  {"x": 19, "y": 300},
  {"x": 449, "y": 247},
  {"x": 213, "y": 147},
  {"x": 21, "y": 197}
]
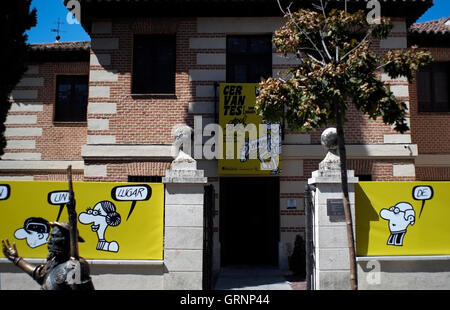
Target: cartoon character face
[
  {"x": 101, "y": 217},
  {"x": 35, "y": 230},
  {"x": 96, "y": 217},
  {"x": 400, "y": 216}
]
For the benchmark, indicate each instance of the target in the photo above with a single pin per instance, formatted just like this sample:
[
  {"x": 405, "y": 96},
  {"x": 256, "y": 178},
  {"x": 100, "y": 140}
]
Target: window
[
  {"x": 433, "y": 88},
  {"x": 145, "y": 179},
  {"x": 249, "y": 58},
  {"x": 71, "y": 98},
  {"x": 154, "y": 64}
]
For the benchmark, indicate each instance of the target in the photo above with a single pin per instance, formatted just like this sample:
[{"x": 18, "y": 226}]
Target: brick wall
[
  {"x": 431, "y": 132},
  {"x": 31, "y": 132},
  {"x": 136, "y": 119},
  {"x": 118, "y": 171}
]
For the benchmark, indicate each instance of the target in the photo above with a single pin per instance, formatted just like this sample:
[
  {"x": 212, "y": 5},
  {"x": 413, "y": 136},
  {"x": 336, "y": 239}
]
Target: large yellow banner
[
  {"x": 402, "y": 218},
  {"x": 116, "y": 220},
  {"x": 250, "y": 145}
]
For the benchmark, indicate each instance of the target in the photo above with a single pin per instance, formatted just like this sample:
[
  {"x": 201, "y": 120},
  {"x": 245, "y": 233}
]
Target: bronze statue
[
  {"x": 60, "y": 271},
  {"x": 64, "y": 269}
]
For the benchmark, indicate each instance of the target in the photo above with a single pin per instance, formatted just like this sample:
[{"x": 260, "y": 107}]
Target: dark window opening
[
  {"x": 364, "y": 177},
  {"x": 71, "y": 98},
  {"x": 145, "y": 178},
  {"x": 433, "y": 88},
  {"x": 154, "y": 59},
  {"x": 249, "y": 58}
]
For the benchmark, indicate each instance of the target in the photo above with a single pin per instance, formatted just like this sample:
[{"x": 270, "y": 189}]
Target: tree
[
  {"x": 337, "y": 67},
  {"x": 14, "y": 21}
]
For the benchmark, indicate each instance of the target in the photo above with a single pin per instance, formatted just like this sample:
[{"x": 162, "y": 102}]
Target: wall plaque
[{"x": 335, "y": 207}]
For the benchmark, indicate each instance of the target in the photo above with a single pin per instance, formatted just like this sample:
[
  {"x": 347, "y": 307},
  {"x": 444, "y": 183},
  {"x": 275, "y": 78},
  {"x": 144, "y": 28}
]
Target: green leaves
[
  {"x": 382, "y": 30},
  {"x": 406, "y": 62},
  {"x": 309, "y": 97}
]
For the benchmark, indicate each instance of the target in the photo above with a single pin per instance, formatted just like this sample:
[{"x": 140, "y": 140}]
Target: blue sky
[{"x": 48, "y": 12}]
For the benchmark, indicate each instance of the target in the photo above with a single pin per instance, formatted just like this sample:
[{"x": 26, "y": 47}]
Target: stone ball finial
[{"x": 329, "y": 139}]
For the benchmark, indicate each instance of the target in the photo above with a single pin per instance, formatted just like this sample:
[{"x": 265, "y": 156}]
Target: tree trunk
[{"x": 346, "y": 200}]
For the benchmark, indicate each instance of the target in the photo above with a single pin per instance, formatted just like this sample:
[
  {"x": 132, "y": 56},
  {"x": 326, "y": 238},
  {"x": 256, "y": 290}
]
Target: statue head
[
  {"x": 59, "y": 241},
  {"x": 181, "y": 142}
]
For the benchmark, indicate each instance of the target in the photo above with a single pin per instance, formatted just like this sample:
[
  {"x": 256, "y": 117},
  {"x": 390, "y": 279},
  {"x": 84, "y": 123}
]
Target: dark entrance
[{"x": 249, "y": 220}]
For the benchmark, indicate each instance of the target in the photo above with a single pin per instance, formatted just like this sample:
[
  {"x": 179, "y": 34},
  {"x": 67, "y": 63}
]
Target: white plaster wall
[
  {"x": 404, "y": 275},
  {"x": 104, "y": 277}
]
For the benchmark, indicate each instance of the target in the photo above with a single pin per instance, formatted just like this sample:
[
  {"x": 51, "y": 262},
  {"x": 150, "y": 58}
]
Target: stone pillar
[
  {"x": 183, "y": 225},
  {"x": 332, "y": 265}
]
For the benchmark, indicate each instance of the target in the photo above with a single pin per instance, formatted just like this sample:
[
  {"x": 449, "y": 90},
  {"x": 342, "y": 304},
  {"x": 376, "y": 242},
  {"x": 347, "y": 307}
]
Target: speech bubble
[
  {"x": 132, "y": 193},
  {"x": 59, "y": 198},
  {"x": 423, "y": 193},
  {"x": 5, "y": 191}
]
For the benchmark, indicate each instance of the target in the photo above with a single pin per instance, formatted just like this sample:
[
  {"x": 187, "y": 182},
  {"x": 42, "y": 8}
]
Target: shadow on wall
[
  {"x": 363, "y": 220},
  {"x": 297, "y": 261}
]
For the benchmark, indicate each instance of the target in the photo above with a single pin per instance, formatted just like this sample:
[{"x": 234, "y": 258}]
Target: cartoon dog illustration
[
  {"x": 264, "y": 148},
  {"x": 101, "y": 217},
  {"x": 400, "y": 217},
  {"x": 35, "y": 230}
]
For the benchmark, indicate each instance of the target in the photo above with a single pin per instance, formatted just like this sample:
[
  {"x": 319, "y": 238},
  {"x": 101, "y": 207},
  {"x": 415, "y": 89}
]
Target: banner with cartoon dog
[
  {"x": 402, "y": 218},
  {"x": 251, "y": 146},
  {"x": 116, "y": 220}
]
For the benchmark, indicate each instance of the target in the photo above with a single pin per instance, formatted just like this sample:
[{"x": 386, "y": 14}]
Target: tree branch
[
  {"x": 316, "y": 60},
  {"x": 304, "y": 33},
  {"x": 356, "y": 47},
  {"x": 281, "y": 8},
  {"x": 323, "y": 9},
  {"x": 325, "y": 47},
  {"x": 383, "y": 65}
]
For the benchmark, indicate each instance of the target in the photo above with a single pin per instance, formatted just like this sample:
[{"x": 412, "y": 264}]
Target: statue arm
[
  {"x": 27, "y": 267},
  {"x": 12, "y": 254}
]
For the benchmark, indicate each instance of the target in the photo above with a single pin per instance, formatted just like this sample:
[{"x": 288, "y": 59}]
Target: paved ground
[
  {"x": 296, "y": 282},
  {"x": 256, "y": 278}
]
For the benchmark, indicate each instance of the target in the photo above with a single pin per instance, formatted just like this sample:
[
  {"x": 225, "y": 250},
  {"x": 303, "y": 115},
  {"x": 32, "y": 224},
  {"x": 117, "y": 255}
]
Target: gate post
[
  {"x": 183, "y": 225},
  {"x": 332, "y": 263}
]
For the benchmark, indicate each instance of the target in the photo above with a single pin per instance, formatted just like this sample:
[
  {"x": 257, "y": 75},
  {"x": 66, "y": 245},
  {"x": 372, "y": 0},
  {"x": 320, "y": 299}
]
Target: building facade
[{"x": 152, "y": 65}]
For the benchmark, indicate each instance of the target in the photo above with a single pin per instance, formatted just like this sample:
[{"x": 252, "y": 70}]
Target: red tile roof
[
  {"x": 62, "y": 46},
  {"x": 438, "y": 26}
]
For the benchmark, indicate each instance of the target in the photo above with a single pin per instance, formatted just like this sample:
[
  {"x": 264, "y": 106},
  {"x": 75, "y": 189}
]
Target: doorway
[{"x": 249, "y": 220}]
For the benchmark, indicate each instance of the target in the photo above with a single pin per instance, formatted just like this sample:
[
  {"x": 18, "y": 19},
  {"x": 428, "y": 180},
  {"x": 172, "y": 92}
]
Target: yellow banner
[
  {"x": 116, "y": 220},
  {"x": 250, "y": 146},
  {"x": 402, "y": 218}
]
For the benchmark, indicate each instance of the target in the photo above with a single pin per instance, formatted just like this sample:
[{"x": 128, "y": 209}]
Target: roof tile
[
  {"x": 438, "y": 26},
  {"x": 62, "y": 46}
]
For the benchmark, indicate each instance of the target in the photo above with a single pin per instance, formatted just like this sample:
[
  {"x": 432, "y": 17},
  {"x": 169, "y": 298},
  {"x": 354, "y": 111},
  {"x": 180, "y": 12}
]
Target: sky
[{"x": 49, "y": 11}]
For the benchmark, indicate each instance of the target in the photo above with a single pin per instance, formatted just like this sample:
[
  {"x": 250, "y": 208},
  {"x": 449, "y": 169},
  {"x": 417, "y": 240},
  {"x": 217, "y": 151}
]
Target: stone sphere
[{"x": 329, "y": 138}]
